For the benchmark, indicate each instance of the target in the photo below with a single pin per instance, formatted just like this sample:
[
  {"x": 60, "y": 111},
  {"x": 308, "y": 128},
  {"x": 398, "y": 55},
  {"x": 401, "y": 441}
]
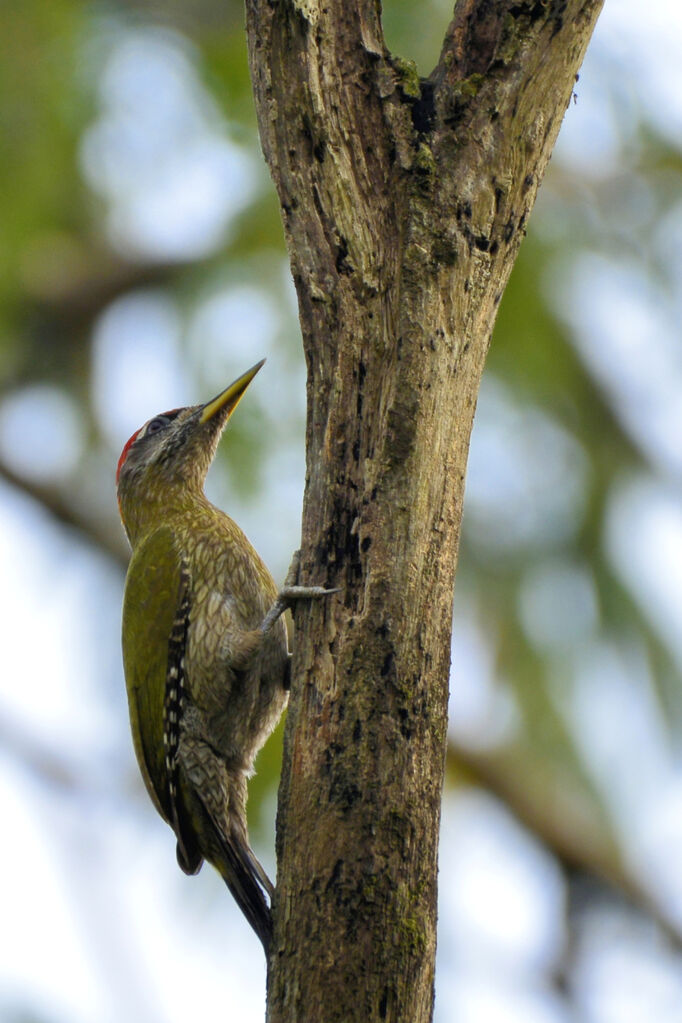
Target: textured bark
[{"x": 404, "y": 203}]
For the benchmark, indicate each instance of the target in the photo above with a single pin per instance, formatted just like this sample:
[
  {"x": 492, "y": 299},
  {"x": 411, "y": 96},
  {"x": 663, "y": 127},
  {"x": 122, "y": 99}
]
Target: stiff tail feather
[{"x": 247, "y": 881}]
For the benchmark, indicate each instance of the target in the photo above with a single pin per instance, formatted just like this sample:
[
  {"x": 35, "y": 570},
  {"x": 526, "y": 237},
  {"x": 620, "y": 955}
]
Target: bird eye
[{"x": 156, "y": 424}]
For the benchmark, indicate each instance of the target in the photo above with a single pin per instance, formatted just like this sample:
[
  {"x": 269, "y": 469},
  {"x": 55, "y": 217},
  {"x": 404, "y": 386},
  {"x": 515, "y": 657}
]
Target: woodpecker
[{"x": 205, "y": 650}]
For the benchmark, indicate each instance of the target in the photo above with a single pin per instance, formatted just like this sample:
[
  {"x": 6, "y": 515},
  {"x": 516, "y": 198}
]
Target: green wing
[{"x": 153, "y": 593}]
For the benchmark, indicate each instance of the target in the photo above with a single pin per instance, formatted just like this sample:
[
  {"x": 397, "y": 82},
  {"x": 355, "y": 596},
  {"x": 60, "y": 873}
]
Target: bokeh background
[{"x": 142, "y": 267}]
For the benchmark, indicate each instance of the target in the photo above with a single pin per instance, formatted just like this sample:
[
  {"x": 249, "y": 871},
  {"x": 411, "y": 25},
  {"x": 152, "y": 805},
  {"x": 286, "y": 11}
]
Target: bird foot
[{"x": 291, "y": 593}]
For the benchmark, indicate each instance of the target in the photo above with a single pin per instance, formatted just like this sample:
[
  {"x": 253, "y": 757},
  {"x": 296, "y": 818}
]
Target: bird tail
[
  {"x": 246, "y": 879},
  {"x": 214, "y": 802}
]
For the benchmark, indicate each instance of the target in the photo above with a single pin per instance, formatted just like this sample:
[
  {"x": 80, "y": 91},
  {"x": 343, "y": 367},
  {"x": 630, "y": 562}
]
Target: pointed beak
[{"x": 228, "y": 399}]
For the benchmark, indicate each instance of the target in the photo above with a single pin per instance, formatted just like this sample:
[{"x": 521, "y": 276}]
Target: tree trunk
[{"x": 404, "y": 203}]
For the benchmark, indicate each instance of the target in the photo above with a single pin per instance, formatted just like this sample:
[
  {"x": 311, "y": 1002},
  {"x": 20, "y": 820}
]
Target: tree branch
[
  {"x": 46, "y": 764},
  {"x": 565, "y": 821},
  {"x": 105, "y": 536},
  {"x": 404, "y": 204}
]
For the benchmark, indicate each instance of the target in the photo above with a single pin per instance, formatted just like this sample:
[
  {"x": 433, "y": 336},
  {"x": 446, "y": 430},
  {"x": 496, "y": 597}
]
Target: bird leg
[{"x": 291, "y": 593}]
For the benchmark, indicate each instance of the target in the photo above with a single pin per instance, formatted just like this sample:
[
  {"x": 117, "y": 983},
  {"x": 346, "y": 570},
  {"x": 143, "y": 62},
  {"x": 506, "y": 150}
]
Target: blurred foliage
[{"x": 562, "y": 441}]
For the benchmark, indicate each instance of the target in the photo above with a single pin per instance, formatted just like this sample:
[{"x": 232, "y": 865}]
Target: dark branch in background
[
  {"x": 48, "y": 765},
  {"x": 67, "y": 284},
  {"x": 564, "y": 819},
  {"x": 72, "y": 282},
  {"x": 107, "y": 536},
  {"x": 72, "y": 778}
]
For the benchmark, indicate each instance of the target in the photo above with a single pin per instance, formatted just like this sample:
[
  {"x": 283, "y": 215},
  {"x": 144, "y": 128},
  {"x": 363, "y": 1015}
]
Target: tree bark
[{"x": 404, "y": 203}]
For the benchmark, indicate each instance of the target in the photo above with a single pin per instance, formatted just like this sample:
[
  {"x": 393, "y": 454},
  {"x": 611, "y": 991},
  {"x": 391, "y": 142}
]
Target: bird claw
[{"x": 291, "y": 593}]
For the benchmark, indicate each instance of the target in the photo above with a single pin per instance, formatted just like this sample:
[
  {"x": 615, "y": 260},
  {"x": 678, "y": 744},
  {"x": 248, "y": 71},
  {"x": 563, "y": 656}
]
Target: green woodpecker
[{"x": 204, "y": 647}]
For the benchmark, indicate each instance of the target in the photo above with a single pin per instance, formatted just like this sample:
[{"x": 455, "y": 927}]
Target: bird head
[{"x": 170, "y": 455}]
